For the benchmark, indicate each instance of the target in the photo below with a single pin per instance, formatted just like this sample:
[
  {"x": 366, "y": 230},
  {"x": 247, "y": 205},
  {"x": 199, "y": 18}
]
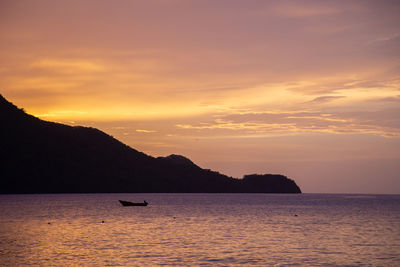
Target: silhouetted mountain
[
  {"x": 38, "y": 156},
  {"x": 178, "y": 160}
]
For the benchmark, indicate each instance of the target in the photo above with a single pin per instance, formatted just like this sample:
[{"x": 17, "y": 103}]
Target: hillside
[{"x": 38, "y": 156}]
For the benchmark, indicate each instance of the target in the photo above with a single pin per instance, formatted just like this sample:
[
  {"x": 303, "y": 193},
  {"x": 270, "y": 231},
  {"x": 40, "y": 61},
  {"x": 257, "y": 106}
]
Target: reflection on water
[{"x": 194, "y": 229}]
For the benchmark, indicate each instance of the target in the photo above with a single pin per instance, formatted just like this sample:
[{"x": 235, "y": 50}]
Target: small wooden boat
[{"x": 127, "y": 203}]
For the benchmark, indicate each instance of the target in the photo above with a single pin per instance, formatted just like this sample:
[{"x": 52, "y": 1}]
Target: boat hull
[{"x": 128, "y": 203}]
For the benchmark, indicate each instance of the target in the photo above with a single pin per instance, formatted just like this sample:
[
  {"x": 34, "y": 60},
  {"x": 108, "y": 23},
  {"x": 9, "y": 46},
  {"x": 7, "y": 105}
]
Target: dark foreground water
[{"x": 200, "y": 229}]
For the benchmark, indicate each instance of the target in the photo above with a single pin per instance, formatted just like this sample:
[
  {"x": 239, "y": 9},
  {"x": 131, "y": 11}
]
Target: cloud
[
  {"x": 324, "y": 99},
  {"x": 388, "y": 38},
  {"x": 303, "y": 10},
  {"x": 69, "y": 65},
  {"x": 384, "y": 123},
  {"x": 145, "y": 131},
  {"x": 392, "y": 99},
  {"x": 62, "y": 114},
  {"x": 151, "y": 62}
]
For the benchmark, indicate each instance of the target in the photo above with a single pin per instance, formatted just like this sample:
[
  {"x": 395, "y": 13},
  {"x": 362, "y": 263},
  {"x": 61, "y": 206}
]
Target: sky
[{"x": 307, "y": 89}]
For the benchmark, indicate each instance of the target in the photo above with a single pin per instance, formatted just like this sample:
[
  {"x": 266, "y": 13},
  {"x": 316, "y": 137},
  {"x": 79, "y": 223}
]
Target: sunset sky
[{"x": 308, "y": 89}]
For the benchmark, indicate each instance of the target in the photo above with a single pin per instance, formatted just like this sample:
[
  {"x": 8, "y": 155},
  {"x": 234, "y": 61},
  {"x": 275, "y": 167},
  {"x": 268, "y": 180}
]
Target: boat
[{"x": 127, "y": 203}]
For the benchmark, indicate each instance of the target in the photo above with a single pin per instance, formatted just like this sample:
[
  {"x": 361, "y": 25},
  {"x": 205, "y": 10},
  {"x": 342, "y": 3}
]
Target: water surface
[{"x": 200, "y": 229}]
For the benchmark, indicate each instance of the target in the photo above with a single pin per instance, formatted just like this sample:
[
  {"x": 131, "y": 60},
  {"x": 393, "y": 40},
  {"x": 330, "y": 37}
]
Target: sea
[{"x": 200, "y": 230}]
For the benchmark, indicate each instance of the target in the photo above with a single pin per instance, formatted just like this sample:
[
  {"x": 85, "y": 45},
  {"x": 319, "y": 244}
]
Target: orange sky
[{"x": 309, "y": 89}]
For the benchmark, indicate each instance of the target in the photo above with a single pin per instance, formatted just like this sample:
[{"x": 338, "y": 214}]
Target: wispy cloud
[
  {"x": 68, "y": 65},
  {"x": 324, "y": 99},
  {"x": 303, "y": 10},
  {"x": 62, "y": 113},
  {"x": 386, "y": 38},
  {"x": 145, "y": 131},
  {"x": 270, "y": 124}
]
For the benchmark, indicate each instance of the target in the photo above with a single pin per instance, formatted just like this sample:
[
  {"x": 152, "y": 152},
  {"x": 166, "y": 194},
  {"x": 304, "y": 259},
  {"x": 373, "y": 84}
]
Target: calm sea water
[{"x": 200, "y": 229}]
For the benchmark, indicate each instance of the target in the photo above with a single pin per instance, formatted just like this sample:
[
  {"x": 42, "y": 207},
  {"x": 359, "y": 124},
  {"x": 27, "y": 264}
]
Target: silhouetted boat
[{"x": 127, "y": 203}]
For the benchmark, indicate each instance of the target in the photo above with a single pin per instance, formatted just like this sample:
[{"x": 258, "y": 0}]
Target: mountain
[{"x": 38, "y": 156}]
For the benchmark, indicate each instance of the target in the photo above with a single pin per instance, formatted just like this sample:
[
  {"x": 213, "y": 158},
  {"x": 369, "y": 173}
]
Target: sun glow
[{"x": 216, "y": 82}]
